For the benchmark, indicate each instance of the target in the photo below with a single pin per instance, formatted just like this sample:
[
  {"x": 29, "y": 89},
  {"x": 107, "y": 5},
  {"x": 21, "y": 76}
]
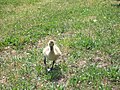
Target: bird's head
[{"x": 51, "y": 43}]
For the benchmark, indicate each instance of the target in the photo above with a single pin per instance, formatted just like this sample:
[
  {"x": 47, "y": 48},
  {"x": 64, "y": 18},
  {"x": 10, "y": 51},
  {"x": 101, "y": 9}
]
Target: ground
[{"x": 87, "y": 32}]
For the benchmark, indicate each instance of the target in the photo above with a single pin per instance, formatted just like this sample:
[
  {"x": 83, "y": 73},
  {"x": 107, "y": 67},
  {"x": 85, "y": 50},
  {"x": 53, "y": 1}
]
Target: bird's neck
[{"x": 51, "y": 48}]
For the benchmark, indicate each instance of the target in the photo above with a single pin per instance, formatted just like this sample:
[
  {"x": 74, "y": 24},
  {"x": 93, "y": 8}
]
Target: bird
[{"x": 51, "y": 52}]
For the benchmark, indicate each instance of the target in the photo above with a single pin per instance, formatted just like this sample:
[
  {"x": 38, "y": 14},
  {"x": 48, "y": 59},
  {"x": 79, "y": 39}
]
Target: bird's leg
[
  {"x": 52, "y": 65},
  {"x": 45, "y": 62}
]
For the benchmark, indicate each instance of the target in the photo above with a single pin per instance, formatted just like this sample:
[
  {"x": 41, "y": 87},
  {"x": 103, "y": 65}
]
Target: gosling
[{"x": 51, "y": 52}]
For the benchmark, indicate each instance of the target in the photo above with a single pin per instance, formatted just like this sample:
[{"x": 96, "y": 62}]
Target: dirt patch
[
  {"x": 101, "y": 65},
  {"x": 3, "y": 80},
  {"x": 79, "y": 64}
]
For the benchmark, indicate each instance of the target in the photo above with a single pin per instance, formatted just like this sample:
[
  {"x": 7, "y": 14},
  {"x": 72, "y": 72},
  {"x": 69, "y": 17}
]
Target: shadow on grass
[{"x": 55, "y": 74}]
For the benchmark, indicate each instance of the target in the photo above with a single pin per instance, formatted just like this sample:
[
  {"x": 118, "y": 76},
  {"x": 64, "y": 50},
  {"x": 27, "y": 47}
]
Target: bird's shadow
[{"x": 55, "y": 74}]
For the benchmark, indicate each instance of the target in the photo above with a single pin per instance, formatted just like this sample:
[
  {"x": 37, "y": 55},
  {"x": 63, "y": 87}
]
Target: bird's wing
[
  {"x": 46, "y": 51},
  {"x": 57, "y": 50}
]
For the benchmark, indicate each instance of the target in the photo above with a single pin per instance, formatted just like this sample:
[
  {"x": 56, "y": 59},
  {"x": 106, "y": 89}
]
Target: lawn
[{"x": 87, "y": 32}]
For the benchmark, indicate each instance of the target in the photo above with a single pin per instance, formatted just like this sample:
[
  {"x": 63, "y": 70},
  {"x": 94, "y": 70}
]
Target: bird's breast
[{"x": 52, "y": 56}]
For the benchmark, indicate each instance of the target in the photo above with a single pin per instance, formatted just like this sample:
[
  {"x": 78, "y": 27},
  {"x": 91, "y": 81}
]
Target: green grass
[{"x": 87, "y": 31}]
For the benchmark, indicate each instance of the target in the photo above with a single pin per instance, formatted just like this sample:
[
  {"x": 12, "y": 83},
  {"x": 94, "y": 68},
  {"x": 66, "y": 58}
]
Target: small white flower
[
  {"x": 23, "y": 65},
  {"x": 23, "y": 77},
  {"x": 34, "y": 64},
  {"x": 94, "y": 20},
  {"x": 104, "y": 17},
  {"x": 38, "y": 78},
  {"x": 48, "y": 69}
]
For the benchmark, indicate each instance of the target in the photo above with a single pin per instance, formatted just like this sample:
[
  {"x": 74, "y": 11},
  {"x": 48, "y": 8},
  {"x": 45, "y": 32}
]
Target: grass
[{"x": 88, "y": 33}]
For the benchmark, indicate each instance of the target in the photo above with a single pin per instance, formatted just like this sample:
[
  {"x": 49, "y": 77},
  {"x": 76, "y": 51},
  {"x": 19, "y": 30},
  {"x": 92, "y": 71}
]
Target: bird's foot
[{"x": 48, "y": 69}]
